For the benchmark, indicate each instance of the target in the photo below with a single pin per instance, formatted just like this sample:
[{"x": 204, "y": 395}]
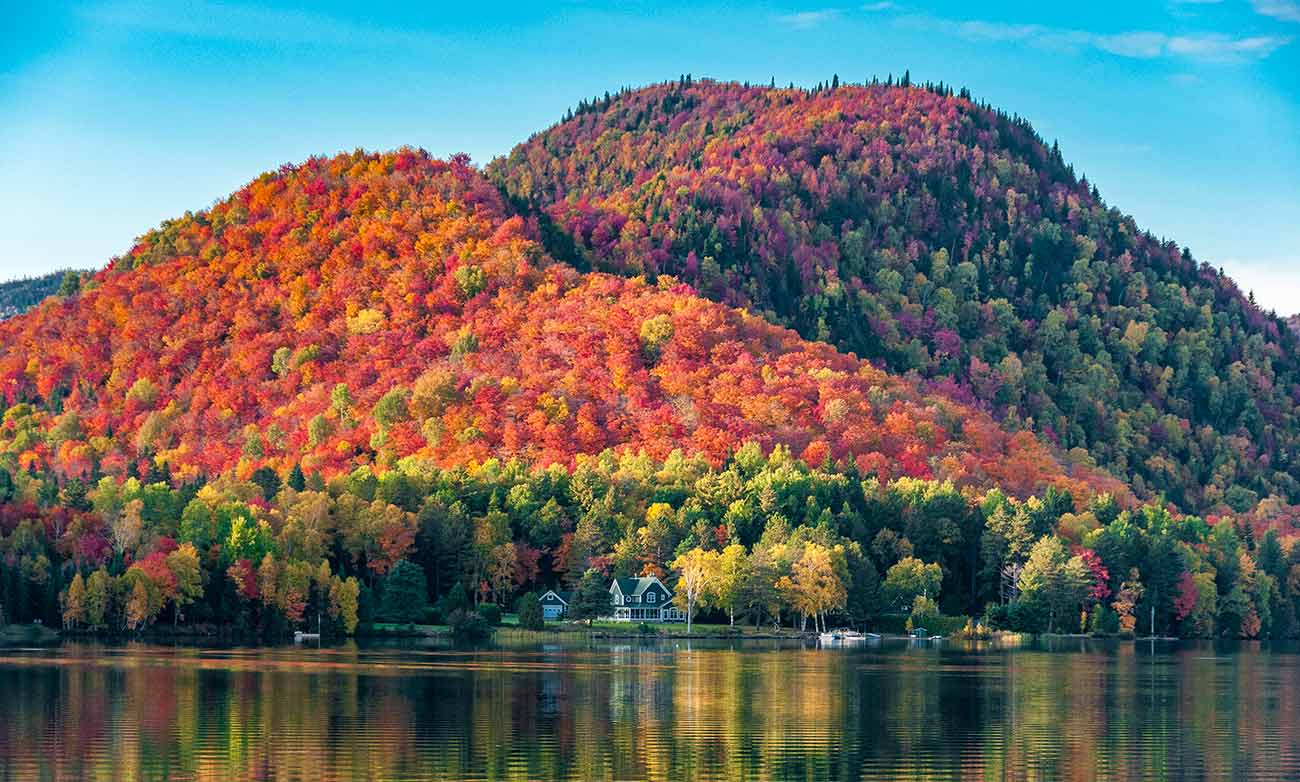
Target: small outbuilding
[{"x": 555, "y": 605}]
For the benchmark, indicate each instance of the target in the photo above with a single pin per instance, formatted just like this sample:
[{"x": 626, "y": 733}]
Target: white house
[{"x": 643, "y": 599}]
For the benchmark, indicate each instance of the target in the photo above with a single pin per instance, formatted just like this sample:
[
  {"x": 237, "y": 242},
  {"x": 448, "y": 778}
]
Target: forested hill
[
  {"x": 944, "y": 240},
  {"x": 242, "y": 416},
  {"x": 18, "y": 296},
  {"x": 361, "y": 380},
  {"x": 365, "y": 309}
]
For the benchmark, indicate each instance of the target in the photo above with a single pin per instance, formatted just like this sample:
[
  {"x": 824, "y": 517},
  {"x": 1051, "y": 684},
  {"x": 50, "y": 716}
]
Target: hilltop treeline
[{"x": 19, "y": 296}]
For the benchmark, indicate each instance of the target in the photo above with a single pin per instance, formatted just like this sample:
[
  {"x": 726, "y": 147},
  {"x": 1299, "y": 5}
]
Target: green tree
[
  {"x": 730, "y": 578},
  {"x": 188, "y": 574},
  {"x": 1052, "y": 580},
  {"x": 908, "y": 578},
  {"x": 266, "y": 480},
  {"x": 591, "y": 600},
  {"x": 341, "y": 401},
  {"x": 391, "y": 408},
  {"x": 405, "y": 595},
  {"x": 344, "y": 596},
  {"x": 530, "y": 612},
  {"x": 296, "y": 481},
  {"x": 99, "y": 596},
  {"x": 456, "y": 600}
]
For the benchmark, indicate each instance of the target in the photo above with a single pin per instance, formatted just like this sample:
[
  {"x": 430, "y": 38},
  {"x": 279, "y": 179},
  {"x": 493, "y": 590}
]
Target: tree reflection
[{"x": 659, "y": 713}]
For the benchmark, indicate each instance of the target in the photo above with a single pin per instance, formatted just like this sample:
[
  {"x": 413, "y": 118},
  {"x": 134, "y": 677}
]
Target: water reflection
[{"x": 661, "y": 712}]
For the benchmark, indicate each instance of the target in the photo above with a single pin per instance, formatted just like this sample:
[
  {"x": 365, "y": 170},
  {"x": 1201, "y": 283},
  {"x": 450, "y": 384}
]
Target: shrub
[
  {"x": 530, "y": 612},
  {"x": 491, "y": 613},
  {"x": 469, "y": 626}
]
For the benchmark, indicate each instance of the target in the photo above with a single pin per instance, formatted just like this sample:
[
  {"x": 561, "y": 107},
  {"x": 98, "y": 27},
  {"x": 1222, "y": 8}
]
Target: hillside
[
  {"x": 366, "y": 308},
  {"x": 368, "y": 381},
  {"x": 366, "y": 359},
  {"x": 19, "y": 296},
  {"x": 944, "y": 240}
]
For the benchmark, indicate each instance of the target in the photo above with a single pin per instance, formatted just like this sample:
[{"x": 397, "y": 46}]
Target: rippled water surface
[{"x": 664, "y": 712}]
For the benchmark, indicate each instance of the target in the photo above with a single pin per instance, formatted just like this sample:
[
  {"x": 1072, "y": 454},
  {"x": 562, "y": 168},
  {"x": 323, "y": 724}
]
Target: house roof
[
  {"x": 636, "y": 586},
  {"x": 564, "y": 596}
]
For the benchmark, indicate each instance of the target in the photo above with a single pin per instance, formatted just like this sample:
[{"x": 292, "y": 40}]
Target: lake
[{"x": 667, "y": 711}]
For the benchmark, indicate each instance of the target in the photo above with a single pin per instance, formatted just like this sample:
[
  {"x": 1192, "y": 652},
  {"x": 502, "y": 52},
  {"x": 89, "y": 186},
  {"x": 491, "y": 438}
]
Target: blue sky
[{"x": 117, "y": 115}]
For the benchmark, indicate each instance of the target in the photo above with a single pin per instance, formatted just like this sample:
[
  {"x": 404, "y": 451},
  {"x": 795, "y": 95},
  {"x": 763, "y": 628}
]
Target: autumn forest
[{"x": 865, "y": 353}]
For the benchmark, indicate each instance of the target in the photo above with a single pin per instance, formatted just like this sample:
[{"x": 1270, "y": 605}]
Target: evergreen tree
[
  {"x": 405, "y": 598},
  {"x": 592, "y": 598},
  {"x": 266, "y": 480},
  {"x": 456, "y": 600}
]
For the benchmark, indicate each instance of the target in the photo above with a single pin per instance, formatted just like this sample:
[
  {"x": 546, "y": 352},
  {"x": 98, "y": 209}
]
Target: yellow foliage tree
[
  {"x": 74, "y": 602},
  {"x": 696, "y": 569}
]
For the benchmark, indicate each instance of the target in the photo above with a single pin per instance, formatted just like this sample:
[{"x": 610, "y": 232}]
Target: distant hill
[
  {"x": 945, "y": 241},
  {"x": 18, "y": 296}
]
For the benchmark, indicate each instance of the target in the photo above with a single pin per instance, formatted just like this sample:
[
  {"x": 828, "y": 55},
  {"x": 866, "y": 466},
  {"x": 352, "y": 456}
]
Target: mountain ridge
[{"x": 935, "y": 236}]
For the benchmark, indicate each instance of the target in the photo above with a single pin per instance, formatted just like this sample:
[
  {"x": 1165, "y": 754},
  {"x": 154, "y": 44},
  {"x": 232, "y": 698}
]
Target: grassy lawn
[
  {"x": 394, "y": 628},
  {"x": 674, "y": 628},
  {"x": 510, "y": 624}
]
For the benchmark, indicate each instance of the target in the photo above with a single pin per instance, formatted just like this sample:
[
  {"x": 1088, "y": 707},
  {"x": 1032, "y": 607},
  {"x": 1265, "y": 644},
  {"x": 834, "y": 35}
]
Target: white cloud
[
  {"x": 1223, "y": 47},
  {"x": 806, "y": 20},
  {"x": 1284, "y": 10},
  {"x": 884, "y": 5},
  {"x": 1138, "y": 44}
]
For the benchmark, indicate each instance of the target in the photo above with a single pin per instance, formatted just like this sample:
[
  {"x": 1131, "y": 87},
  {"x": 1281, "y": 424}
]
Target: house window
[{"x": 650, "y": 598}]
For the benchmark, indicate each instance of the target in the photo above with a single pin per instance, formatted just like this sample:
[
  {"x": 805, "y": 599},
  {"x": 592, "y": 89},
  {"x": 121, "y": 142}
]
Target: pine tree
[
  {"x": 297, "y": 481},
  {"x": 592, "y": 598}
]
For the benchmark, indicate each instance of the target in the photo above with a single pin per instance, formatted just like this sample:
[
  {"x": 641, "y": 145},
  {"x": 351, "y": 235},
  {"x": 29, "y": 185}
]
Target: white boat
[
  {"x": 299, "y": 637},
  {"x": 845, "y": 635}
]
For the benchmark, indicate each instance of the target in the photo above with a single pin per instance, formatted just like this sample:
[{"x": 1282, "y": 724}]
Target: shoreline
[{"x": 40, "y": 634}]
